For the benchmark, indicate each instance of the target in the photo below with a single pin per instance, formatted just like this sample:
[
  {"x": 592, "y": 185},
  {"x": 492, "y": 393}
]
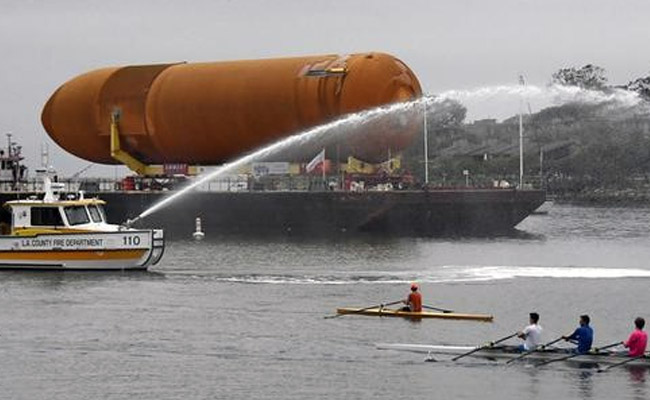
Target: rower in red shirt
[
  {"x": 414, "y": 300},
  {"x": 638, "y": 339}
]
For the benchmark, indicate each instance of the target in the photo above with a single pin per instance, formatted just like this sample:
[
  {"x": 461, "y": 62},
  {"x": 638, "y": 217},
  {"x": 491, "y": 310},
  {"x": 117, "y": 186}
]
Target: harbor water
[{"x": 237, "y": 318}]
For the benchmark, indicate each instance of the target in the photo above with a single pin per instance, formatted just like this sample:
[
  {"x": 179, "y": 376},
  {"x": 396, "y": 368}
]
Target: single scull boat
[{"x": 384, "y": 312}]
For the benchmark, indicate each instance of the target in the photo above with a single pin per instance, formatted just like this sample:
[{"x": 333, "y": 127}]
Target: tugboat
[{"x": 73, "y": 234}]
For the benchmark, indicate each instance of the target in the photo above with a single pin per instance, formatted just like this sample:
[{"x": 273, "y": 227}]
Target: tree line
[{"x": 572, "y": 148}]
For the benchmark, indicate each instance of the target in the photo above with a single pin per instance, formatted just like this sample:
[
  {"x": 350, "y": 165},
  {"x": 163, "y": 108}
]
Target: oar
[
  {"x": 364, "y": 309},
  {"x": 621, "y": 363},
  {"x": 538, "y": 348},
  {"x": 437, "y": 309},
  {"x": 596, "y": 350},
  {"x": 485, "y": 346}
]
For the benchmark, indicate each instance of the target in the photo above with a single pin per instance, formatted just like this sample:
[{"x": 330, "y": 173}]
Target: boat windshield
[
  {"x": 95, "y": 213},
  {"x": 76, "y": 215},
  {"x": 46, "y": 216}
]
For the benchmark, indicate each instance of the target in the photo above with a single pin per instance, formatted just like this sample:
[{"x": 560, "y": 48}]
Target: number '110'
[{"x": 131, "y": 240}]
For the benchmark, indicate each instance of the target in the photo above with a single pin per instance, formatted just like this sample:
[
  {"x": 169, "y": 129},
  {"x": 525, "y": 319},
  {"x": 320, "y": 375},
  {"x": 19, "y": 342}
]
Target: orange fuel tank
[{"x": 208, "y": 113}]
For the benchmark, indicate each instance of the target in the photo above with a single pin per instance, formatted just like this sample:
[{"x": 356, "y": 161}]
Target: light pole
[
  {"x": 521, "y": 135},
  {"x": 426, "y": 142}
]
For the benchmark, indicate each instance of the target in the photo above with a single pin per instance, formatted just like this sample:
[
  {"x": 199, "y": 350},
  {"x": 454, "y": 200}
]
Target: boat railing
[{"x": 242, "y": 183}]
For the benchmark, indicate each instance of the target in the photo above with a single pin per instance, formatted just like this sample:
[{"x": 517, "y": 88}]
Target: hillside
[{"x": 576, "y": 151}]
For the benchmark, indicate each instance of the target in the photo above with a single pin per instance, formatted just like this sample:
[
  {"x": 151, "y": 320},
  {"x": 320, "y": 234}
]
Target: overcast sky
[{"x": 449, "y": 44}]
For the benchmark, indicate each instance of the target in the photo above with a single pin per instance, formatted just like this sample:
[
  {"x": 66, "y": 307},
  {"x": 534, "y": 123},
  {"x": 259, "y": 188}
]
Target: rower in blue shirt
[{"x": 583, "y": 336}]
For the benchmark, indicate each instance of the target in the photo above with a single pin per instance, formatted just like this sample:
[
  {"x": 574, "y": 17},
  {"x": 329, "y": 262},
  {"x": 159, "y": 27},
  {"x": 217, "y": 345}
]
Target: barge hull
[{"x": 399, "y": 213}]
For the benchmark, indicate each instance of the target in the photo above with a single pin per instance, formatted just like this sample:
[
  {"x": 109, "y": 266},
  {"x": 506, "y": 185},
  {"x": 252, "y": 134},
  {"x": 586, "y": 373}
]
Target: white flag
[{"x": 318, "y": 160}]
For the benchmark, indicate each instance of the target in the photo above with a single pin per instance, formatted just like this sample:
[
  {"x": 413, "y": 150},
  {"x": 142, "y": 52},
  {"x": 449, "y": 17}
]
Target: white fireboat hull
[{"x": 119, "y": 250}]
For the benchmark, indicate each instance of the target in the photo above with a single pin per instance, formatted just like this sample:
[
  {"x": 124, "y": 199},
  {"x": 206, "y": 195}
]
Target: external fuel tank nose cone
[
  {"x": 209, "y": 113},
  {"x": 46, "y": 115},
  {"x": 70, "y": 117}
]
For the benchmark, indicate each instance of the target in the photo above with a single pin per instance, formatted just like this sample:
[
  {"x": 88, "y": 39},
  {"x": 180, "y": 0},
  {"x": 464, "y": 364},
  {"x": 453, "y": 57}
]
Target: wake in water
[
  {"x": 503, "y": 272},
  {"x": 444, "y": 274},
  {"x": 409, "y": 115}
]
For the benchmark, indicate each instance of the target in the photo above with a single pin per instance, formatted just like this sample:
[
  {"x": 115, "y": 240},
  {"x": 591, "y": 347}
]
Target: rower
[
  {"x": 638, "y": 339},
  {"x": 532, "y": 334},
  {"x": 583, "y": 336},
  {"x": 414, "y": 300}
]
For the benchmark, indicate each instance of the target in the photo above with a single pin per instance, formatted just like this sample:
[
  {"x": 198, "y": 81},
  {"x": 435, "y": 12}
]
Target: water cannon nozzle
[{"x": 129, "y": 222}]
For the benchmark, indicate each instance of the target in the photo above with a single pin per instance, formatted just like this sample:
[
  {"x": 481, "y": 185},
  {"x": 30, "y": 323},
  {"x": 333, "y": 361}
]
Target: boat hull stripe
[{"x": 73, "y": 255}]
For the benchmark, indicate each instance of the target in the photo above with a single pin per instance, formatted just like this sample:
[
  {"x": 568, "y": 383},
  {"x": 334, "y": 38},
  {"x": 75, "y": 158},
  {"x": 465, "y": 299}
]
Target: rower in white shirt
[{"x": 532, "y": 334}]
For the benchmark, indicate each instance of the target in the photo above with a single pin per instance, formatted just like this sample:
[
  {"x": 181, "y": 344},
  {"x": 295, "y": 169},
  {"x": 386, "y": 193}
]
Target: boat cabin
[{"x": 31, "y": 217}]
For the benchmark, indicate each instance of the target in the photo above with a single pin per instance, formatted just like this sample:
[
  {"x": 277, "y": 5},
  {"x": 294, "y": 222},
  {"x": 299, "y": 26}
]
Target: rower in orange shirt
[{"x": 414, "y": 300}]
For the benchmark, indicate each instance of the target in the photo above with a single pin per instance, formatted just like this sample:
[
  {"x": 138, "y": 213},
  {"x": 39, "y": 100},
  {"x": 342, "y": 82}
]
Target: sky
[{"x": 449, "y": 44}]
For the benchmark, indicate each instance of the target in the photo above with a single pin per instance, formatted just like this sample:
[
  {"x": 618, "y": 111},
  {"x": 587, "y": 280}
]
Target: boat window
[
  {"x": 95, "y": 213},
  {"x": 103, "y": 212},
  {"x": 5, "y": 224},
  {"x": 46, "y": 216},
  {"x": 76, "y": 215}
]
